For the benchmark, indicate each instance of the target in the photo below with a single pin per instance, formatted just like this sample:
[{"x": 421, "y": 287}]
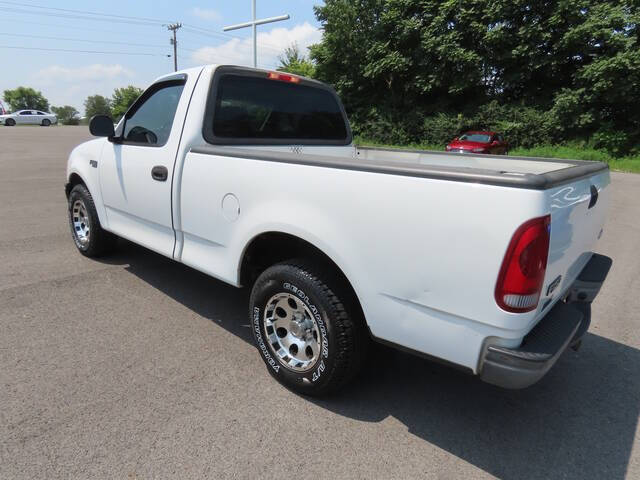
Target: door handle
[{"x": 159, "y": 173}]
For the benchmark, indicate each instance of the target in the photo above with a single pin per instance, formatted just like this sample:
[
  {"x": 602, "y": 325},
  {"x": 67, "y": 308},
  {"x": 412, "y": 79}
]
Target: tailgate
[{"x": 578, "y": 212}]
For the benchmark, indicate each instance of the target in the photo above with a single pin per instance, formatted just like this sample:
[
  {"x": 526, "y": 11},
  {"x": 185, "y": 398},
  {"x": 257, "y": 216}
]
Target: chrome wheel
[
  {"x": 80, "y": 220},
  {"x": 292, "y": 332}
]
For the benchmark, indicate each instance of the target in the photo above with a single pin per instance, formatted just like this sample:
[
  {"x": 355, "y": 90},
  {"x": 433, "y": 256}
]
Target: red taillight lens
[
  {"x": 283, "y": 77},
  {"x": 525, "y": 263}
]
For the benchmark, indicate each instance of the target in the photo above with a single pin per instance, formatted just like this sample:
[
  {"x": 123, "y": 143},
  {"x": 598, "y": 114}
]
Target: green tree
[
  {"x": 96, "y": 105},
  {"x": 122, "y": 99},
  {"x": 397, "y": 63},
  {"x": 67, "y": 115},
  {"x": 603, "y": 97},
  {"x": 402, "y": 54},
  {"x": 23, "y": 98},
  {"x": 292, "y": 61}
]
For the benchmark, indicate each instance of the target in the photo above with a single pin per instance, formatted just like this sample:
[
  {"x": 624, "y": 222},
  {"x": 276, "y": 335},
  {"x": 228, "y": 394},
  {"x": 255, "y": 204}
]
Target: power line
[
  {"x": 201, "y": 30},
  {"x": 125, "y": 19},
  {"x": 81, "y": 40},
  {"x": 188, "y": 29},
  {"x": 66, "y": 27},
  {"x": 81, "y": 17},
  {"x": 85, "y": 51},
  {"x": 180, "y": 47},
  {"x": 72, "y": 14},
  {"x": 84, "y": 12}
]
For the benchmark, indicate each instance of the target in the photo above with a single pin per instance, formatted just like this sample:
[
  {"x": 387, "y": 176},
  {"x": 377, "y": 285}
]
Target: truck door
[{"x": 136, "y": 167}]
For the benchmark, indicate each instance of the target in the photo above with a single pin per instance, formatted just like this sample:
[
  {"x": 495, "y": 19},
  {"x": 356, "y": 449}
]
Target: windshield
[{"x": 475, "y": 137}]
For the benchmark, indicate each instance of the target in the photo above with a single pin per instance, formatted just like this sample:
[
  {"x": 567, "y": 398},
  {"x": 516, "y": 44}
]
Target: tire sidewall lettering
[
  {"x": 257, "y": 331},
  {"x": 273, "y": 363},
  {"x": 316, "y": 373}
]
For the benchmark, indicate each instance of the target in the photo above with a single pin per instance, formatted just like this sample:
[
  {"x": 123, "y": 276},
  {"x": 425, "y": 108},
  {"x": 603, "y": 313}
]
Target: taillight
[
  {"x": 525, "y": 263},
  {"x": 283, "y": 77}
]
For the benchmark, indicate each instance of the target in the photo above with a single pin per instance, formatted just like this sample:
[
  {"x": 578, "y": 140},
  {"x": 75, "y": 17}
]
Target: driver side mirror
[
  {"x": 101, "y": 126},
  {"x": 495, "y": 143}
]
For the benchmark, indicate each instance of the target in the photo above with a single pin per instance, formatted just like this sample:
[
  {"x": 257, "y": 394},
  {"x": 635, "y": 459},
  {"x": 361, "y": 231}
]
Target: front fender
[{"x": 84, "y": 162}]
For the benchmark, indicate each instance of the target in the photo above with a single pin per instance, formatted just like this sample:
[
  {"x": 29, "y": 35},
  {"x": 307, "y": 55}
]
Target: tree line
[
  {"x": 27, "y": 98},
  {"x": 541, "y": 72},
  {"x": 422, "y": 71}
]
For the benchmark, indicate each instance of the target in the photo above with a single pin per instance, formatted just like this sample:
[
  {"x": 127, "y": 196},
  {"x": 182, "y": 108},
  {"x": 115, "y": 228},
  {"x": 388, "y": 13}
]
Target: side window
[
  {"x": 26, "y": 112},
  {"x": 40, "y": 113},
  {"x": 149, "y": 121}
]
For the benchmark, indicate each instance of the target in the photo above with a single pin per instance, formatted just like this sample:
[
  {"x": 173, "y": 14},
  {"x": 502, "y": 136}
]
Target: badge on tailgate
[{"x": 553, "y": 285}]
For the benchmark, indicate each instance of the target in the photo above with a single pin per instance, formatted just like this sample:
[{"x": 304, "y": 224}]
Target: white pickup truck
[{"x": 486, "y": 263}]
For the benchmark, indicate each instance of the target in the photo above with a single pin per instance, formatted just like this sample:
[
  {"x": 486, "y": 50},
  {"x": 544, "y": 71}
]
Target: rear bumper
[{"x": 562, "y": 326}]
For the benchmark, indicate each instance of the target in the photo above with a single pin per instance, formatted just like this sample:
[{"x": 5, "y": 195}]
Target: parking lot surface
[{"x": 134, "y": 366}]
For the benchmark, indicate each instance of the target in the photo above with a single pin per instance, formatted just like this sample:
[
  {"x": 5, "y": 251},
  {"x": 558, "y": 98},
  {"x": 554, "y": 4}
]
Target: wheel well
[
  {"x": 74, "y": 179},
  {"x": 270, "y": 248}
]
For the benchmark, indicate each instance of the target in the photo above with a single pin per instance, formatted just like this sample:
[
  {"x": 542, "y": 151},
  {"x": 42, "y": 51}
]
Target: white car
[
  {"x": 484, "y": 262},
  {"x": 28, "y": 117}
]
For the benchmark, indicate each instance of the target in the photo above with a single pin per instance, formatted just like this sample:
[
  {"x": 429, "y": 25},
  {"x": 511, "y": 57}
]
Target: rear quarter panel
[{"x": 423, "y": 255}]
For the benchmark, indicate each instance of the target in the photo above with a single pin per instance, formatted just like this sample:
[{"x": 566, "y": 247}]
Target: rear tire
[
  {"x": 307, "y": 327},
  {"x": 9, "y": 122},
  {"x": 46, "y": 122},
  {"x": 89, "y": 237}
]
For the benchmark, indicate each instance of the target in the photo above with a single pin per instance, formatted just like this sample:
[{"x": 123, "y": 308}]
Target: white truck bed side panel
[{"x": 420, "y": 288}]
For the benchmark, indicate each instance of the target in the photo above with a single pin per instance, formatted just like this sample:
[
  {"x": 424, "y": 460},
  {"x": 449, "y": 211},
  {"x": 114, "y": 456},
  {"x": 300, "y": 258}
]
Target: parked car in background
[
  {"x": 28, "y": 117},
  {"x": 479, "y": 142}
]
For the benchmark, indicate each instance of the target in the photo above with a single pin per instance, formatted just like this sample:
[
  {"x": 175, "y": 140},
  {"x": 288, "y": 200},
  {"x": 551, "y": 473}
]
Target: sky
[{"x": 137, "y": 47}]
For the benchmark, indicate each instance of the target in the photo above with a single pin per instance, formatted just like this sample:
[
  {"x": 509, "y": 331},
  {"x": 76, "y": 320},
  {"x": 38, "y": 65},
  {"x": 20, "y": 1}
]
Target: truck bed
[{"x": 518, "y": 172}]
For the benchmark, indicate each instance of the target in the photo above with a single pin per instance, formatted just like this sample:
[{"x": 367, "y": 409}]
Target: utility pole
[
  {"x": 173, "y": 41},
  {"x": 253, "y": 24}
]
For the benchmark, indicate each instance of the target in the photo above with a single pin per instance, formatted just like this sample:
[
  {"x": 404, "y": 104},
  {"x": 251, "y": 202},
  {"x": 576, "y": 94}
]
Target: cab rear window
[{"x": 262, "y": 110}]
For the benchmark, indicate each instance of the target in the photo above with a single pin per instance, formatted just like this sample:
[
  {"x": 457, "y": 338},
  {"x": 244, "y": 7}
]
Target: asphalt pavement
[{"x": 135, "y": 366}]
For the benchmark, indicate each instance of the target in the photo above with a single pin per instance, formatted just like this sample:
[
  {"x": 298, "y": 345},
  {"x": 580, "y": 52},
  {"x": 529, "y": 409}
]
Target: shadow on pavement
[{"x": 578, "y": 422}]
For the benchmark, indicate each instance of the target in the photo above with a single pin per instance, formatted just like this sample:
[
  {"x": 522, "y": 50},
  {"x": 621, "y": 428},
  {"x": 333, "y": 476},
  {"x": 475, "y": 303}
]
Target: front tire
[
  {"x": 89, "y": 237},
  {"x": 46, "y": 122},
  {"x": 307, "y": 327}
]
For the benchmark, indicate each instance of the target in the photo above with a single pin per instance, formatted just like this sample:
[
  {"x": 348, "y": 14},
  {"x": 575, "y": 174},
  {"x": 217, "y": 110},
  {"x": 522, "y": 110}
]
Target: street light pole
[{"x": 253, "y": 24}]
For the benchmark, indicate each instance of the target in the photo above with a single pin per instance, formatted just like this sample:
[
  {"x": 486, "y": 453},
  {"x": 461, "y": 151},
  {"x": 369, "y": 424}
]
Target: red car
[{"x": 479, "y": 142}]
